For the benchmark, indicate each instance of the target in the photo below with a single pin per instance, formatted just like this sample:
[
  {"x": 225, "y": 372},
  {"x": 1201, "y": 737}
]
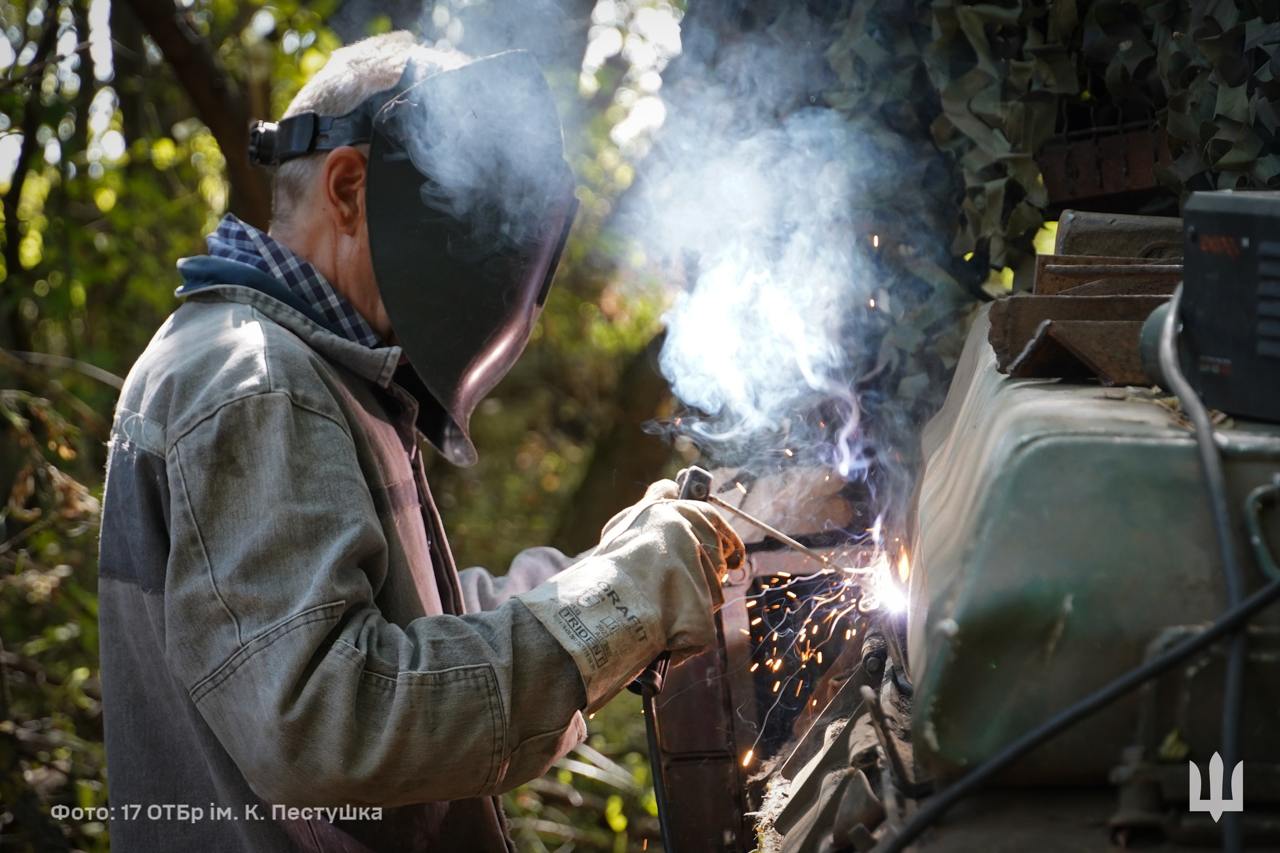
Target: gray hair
[{"x": 351, "y": 75}]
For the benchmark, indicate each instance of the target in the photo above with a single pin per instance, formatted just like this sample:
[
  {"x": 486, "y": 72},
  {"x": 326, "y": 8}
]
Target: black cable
[
  {"x": 1230, "y": 621},
  {"x": 649, "y": 704},
  {"x": 1238, "y": 612},
  {"x": 1233, "y": 574}
]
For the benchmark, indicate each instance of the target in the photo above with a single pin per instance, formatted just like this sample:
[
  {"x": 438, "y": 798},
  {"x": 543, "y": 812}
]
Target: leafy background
[
  {"x": 114, "y": 127},
  {"x": 121, "y": 143}
]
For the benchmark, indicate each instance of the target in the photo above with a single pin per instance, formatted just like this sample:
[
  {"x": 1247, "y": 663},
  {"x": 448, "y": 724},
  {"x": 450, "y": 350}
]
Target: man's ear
[{"x": 344, "y": 182}]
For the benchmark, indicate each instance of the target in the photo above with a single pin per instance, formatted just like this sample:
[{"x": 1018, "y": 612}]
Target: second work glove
[{"x": 651, "y": 585}]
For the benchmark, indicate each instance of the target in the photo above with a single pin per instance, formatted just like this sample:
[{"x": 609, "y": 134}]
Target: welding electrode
[{"x": 767, "y": 528}]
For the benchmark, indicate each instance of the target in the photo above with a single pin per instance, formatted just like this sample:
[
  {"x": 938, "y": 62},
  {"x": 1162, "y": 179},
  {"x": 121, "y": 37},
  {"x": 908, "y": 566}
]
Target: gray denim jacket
[{"x": 281, "y": 621}]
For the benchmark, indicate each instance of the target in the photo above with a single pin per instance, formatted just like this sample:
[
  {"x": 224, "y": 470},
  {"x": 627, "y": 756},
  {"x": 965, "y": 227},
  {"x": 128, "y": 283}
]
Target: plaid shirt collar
[{"x": 237, "y": 240}]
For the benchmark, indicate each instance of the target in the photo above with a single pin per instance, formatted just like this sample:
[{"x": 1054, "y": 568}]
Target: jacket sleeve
[
  {"x": 483, "y": 591},
  {"x": 276, "y": 557}
]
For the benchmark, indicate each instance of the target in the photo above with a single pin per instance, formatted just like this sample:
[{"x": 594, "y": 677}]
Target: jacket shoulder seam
[
  {"x": 266, "y": 306},
  {"x": 270, "y": 381},
  {"x": 288, "y": 395}
]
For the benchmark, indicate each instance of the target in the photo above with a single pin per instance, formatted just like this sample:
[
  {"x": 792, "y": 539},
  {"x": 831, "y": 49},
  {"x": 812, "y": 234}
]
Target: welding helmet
[{"x": 469, "y": 202}]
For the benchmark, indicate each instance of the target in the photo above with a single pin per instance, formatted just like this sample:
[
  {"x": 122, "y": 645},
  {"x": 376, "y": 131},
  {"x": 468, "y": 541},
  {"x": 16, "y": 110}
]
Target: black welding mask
[{"x": 469, "y": 202}]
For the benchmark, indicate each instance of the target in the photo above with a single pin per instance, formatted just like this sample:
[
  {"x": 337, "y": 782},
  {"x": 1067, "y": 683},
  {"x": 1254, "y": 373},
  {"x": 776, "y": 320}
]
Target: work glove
[{"x": 651, "y": 585}]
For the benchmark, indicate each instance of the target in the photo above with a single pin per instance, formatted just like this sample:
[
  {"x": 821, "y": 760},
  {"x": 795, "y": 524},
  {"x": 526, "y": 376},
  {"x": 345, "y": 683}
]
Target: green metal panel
[{"x": 1059, "y": 529}]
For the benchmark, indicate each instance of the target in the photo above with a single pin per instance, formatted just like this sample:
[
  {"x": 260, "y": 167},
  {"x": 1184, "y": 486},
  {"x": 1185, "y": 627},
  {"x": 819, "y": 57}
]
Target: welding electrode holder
[{"x": 695, "y": 485}]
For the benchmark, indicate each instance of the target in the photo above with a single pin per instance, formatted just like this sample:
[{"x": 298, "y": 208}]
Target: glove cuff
[{"x": 603, "y": 620}]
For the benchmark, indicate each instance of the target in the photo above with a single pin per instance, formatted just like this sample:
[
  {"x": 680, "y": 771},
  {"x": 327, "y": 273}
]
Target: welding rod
[{"x": 770, "y": 529}]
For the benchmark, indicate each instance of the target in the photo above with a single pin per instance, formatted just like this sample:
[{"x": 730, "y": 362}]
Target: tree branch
[
  {"x": 34, "y": 670},
  {"x": 36, "y": 70},
  {"x": 217, "y": 101},
  {"x": 128, "y": 56}
]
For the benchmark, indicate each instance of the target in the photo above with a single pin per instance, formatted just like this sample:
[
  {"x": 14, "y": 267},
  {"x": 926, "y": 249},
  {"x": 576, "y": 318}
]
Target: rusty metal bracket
[
  {"x": 1082, "y": 349},
  {"x": 1017, "y": 320}
]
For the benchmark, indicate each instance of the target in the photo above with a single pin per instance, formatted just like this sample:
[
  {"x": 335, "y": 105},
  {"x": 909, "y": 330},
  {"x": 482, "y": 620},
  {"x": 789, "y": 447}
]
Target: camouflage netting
[
  {"x": 953, "y": 101},
  {"x": 1008, "y": 77}
]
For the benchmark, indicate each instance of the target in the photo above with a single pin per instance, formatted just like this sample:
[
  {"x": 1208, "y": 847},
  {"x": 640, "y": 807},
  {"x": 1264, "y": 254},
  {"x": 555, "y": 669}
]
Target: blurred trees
[{"x": 122, "y": 132}]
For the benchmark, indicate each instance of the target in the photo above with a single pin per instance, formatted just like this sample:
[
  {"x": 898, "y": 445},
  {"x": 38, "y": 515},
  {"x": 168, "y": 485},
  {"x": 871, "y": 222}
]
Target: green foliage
[
  {"x": 599, "y": 797},
  {"x": 120, "y": 180},
  {"x": 50, "y": 715}
]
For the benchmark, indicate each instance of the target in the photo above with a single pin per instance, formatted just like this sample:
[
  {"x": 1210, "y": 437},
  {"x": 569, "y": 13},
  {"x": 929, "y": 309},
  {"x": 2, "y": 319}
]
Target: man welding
[{"x": 290, "y": 659}]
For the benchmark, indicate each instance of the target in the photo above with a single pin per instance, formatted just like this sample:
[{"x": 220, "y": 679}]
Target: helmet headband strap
[{"x": 274, "y": 142}]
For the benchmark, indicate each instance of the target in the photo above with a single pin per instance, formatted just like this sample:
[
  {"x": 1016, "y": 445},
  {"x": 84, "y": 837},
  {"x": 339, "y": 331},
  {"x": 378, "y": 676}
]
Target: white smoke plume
[
  {"x": 758, "y": 341},
  {"x": 766, "y": 207}
]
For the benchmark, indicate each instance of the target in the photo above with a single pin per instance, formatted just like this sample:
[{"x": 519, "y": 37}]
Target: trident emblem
[{"x": 1216, "y": 804}]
